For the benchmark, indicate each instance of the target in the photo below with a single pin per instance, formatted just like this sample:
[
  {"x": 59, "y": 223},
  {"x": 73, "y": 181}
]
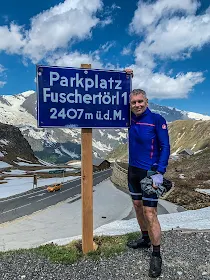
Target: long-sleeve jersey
[{"x": 149, "y": 142}]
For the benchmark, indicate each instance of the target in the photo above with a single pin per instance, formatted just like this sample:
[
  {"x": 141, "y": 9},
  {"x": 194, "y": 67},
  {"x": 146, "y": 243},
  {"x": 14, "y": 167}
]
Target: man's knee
[
  {"x": 150, "y": 213},
  {"x": 138, "y": 205}
]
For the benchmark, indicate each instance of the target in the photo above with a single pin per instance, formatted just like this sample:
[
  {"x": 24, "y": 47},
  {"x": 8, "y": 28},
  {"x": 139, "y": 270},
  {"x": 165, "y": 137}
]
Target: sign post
[
  {"x": 87, "y": 186},
  {"x": 83, "y": 98}
]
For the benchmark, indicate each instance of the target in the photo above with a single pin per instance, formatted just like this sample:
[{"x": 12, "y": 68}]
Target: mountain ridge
[
  {"x": 60, "y": 145},
  {"x": 183, "y": 134}
]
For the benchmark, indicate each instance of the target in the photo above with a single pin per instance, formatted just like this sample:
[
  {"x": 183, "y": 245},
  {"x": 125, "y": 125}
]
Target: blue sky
[{"x": 165, "y": 42}]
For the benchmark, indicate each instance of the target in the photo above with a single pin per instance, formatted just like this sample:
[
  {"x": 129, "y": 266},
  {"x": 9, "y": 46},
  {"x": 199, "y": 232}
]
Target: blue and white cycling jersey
[{"x": 149, "y": 142}]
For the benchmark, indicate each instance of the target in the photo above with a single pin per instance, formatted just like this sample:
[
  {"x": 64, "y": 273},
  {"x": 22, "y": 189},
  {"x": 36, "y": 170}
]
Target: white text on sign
[
  {"x": 79, "y": 113},
  {"x": 85, "y": 83},
  {"x": 77, "y": 98}
]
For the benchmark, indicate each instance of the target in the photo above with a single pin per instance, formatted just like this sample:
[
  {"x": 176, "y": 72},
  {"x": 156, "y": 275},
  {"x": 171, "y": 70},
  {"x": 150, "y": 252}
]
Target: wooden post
[{"x": 87, "y": 186}]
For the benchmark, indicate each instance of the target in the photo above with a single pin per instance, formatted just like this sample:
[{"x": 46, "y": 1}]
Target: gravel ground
[{"x": 186, "y": 256}]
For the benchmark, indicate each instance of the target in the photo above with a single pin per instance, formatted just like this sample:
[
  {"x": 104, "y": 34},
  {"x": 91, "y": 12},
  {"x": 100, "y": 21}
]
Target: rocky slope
[
  {"x": 14, "y": 148},
  {"x": 188, "y": 174}
]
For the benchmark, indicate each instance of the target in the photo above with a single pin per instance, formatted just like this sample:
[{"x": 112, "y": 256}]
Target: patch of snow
[
  {"x": 4, "y": 141},
  {"x": 57, "y": 151},
  {"x": 205, "y": 191},
  {"x": 174, "y": 157},
  {"x": 45, "y": 163},
  {"x": 193, "y": 146},
  {"x": 15, "y": 172},
  {"x": 100, "y": 146},
  {"x": 47, "y": 170},
  {"x": 197, "y": 116},
  {"x": 101, "y": 132},
  {"x": 181, "y": 176},
  {"x": 160, "y": 112},
  {"x": 123, "y": 134},
  {"x": 71, "y": 154},
  {"x": 207, "y": 182},
  {"x": 1, "y": 155},
  {"x": 4, "y": 164},
  {"x": 75, "y": 133},
  {"x": 26, "y": 93},
  {"x": 75, "y": 164},
  {"x": 175, "y": 153},
  {"x": 109, "y": 136},
  {"x": 23, "y": 159},
  {"x": 26, "y": 164},
  {"x": 197, "y": 152},
  {"x": 191, "y": 219},
  {"x": 69, "y": 169}
]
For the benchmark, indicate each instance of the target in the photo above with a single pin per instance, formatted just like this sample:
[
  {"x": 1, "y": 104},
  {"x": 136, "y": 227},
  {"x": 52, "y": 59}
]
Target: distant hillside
[
  {"x": 191, "y": 134},
  {"x": 120, "y": 153}
]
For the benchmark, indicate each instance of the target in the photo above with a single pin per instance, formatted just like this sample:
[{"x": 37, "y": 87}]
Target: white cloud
[
  {"x": 114, "y": 6},
  {"x": 167, "y": 34},
  {"x": 106, "y": 47},
  {"x": 53, "y": 29},
  {"x": 147, "y": 14},
  {"x": 176, "y": 38},
  {"x": 5, "y": 18},
  {"x": 2, "y": 75},
  {"x": 12, "y": 39},
  {"x": 106, "y": 21},
  {"x": 171, "y": 30},
  {"x": 74, "y": 59},
  {"x": 126, "y": 50},
  {"x": 2, "y": 69},
  {"x": 2, "y": 84},
  {"x": 159, "y": 85},
  {"x": 60, "y": 25}
]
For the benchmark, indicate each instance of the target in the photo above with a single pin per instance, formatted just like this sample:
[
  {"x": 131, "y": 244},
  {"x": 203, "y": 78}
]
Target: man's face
[{"x": 138, "y": 104}]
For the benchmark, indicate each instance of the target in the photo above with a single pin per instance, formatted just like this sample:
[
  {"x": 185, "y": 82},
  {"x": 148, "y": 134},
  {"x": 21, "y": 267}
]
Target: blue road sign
[{"x": 82, "y": 98}]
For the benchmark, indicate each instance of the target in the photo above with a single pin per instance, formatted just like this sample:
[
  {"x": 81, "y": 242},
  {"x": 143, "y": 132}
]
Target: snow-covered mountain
[
  {"x": 61, "y": 144},
  {"x": 173, "y": 114}
]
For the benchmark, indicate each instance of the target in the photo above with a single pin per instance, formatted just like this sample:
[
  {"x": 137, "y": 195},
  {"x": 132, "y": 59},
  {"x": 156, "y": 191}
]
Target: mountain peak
[{"x": 25, "y": 93}]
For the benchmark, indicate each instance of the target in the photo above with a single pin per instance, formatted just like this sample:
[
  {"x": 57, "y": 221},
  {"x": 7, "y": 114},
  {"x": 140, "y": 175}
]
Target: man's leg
[
  {"x": 153, "y": 226},
  {"x": 135, "y": 175},
  {"x": 138, "y": 206},
  {"x": 144, "y": 240}
]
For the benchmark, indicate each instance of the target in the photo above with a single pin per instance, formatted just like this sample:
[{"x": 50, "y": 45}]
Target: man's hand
[
  {"x": 157, "y": 180},
  {"x": 129, "y": 71}
]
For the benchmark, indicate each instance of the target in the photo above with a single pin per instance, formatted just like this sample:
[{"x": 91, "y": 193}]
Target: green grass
[{"x": 108, "y": 246}]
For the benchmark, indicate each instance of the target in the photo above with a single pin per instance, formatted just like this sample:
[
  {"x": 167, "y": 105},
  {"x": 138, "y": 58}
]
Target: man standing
[{"x": 149, "y": 151}]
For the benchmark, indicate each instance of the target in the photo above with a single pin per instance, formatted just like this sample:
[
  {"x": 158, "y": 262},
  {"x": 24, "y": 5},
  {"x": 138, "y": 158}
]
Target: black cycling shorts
[{"x": 135, "y": 175}]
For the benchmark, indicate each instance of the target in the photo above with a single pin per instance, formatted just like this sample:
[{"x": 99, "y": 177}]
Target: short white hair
[{"x": 137, "y": 92}]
